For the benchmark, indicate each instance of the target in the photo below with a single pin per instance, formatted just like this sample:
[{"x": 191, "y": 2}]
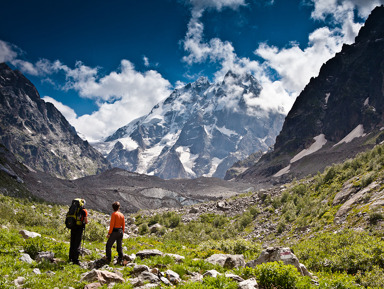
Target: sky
[{"x": 106, "y": 63}]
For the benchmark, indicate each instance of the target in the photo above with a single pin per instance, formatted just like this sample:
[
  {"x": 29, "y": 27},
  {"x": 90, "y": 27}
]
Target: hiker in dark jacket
[
  {"x": 115, "y": 233},
  {"x": 77, "y": 235}
]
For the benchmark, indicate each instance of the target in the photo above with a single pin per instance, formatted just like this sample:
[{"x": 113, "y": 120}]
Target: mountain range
[
  {"x": 39, "y": 135},
  {"x": 337, "y": 115},
  {"x": 201, "y": 129}
]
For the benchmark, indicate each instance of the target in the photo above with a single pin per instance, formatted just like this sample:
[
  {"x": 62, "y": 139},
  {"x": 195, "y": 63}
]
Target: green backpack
[{"x": 73, "y": 217}]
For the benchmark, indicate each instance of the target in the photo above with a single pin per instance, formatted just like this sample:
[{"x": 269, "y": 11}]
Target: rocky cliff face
[
  {"x": 39, "y": 135},
  {"x": 199, "y": 130},
  {"x": 338, "y": 114}
]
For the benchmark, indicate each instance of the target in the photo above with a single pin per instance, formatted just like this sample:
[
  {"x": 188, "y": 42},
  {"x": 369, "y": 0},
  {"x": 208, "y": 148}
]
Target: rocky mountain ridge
[
  {"x": 39, "y": 135},
  {"x": 201, "y": 129},
  {"x": 337, "y": 115}
]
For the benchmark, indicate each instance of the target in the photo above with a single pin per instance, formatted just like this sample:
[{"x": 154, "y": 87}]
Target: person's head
[{"x": 116, "y": 206}]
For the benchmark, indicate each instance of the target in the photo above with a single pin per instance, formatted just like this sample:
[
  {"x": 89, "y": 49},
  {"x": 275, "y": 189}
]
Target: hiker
[
  {"x": 115, "y": 233},
  {"x": 77, "y": 231}
]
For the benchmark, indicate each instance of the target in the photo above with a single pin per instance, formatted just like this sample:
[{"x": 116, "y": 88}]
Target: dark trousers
[
  {"x": 74, "y": 249},
  {"x": 117, "y": 235}
]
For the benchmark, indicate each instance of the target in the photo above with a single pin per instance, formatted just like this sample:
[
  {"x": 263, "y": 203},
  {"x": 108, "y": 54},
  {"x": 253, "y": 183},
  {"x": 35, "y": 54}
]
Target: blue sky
[{"x": 105, "y": 63}]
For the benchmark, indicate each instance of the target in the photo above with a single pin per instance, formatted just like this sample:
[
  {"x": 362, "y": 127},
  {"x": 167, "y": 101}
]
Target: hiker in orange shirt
[{"x": 116, "y": 233}]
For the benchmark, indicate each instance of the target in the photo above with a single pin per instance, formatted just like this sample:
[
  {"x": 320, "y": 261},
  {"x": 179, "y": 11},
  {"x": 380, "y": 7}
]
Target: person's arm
[
  {"x": 111, "y": 225},
  {"x": 123, "y": 224},
  {"x": 85, "y": 219}
]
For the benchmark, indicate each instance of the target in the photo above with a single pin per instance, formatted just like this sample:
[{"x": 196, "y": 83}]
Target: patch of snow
[
  {"x": 366, "y": 102},
  {"x": 128, "y": 143},
  {"x": 147, "y": 157},
  {"x": 226, "y": 131},
  {"x": 28, "y": 130},
  {"x": 283, "y": 171},
  {"x": 187, "y": 159},
  {"x": 104, "y": 147},
  {"x": 52, "y": 151},
  {"x": 327, "y": 97},
  {"x": 318, "y": 144},
  {"x": 214, "y": 164},
  {"x": 357, "y": 132}
]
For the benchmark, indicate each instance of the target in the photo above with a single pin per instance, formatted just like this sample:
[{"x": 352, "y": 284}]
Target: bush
[
  {"x": 143, "y": 229},
  {"x": 276, "y": 275},
  {"x": 95, "y": 232}
]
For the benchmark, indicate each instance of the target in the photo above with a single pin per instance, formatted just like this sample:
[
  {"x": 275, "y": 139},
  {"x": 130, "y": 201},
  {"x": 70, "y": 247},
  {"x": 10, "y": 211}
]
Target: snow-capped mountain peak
[{"x": 201, "y": 129}]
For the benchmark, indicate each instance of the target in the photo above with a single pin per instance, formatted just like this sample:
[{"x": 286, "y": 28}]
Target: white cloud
[
  {"x": 121, "y": 96},
  {"x": 216, "y": 4},
  {"x": 68, "y": 112},
  {"x": 146, "y": 61},
  {"x": 7, "y": 51}
]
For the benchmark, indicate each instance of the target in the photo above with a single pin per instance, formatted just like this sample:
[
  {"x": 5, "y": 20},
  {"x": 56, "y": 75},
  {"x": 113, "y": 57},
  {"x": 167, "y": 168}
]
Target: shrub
[
  {"x": 276, "y": 275},
  {"x": 94, "y": 232},
  {"x": 143, "y": 229}
]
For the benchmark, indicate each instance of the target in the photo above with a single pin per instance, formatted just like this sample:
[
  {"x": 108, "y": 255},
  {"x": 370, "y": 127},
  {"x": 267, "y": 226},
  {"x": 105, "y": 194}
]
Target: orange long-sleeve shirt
[{"x": 117, "y": 221}]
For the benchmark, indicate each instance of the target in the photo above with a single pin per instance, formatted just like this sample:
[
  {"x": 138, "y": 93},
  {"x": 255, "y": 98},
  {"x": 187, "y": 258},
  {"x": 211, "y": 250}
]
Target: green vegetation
[{"x": 342, "y": 250}]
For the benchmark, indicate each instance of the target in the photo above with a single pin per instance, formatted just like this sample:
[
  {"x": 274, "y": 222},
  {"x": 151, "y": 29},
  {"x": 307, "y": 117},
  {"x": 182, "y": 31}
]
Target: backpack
[{"x": 73, "y": 217}]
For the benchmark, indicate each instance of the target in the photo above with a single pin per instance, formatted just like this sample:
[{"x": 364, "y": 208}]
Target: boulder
[
  {"x": 248, "y": 284},
  {"x": 27, "y": 234},
  {"x": 211, "y": 273},
  {"x": 178, "y": 258},
  {"x": 234, "y": 277},
  {"x": 36, "y": 271},
  {"x": 147, "y": 276},
  {"x": 155, "y": 228},
  {"x": 45, "y": 256},
  {"x": 19, "y": 281},
  {"x": 138, "y": 269},
  {"x": 26, "y": 258},
  {"x": 173, "y": 277},
  {"x": 102, "y": 276},
  {"x": 275, "y": 254},
  {"x": 227, "y": 260},
  {"x": 149, "y": 253},
  {"x": 93, "y": 285}
]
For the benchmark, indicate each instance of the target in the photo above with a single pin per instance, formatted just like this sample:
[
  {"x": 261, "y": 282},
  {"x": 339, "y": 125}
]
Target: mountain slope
[
  {"x": 338, "y": 114},
  {"x": 38, "y": 134},
  {"x": 201, "y": 129}
]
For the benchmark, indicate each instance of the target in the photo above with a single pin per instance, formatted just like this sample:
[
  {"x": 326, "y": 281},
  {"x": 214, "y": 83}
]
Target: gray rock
[
  {"x": 173, "y": 277},
  {"x": 36, "y": 271},
  {"x": 147, "y": 276},
  {"x": 26, "y": 258},
  {"x": 149, "y": 253},
  {"x": 234, "y": 277},
  {"x": 178, "y": 258},
  {"x": 92, "y": 285},
  {"x": 19, "y": 281},
  {"x": 248, "y": 284},
  {"x": 211, "y": 273},
  {"x": 138, "y": 269},
  {"x": 27, "y": 234},
  {"x": 102, "y": 276},
  {"x": 45, "y": 256},
  {"x": 226, "y": 260},
  {"x": 273, "y": 254}
]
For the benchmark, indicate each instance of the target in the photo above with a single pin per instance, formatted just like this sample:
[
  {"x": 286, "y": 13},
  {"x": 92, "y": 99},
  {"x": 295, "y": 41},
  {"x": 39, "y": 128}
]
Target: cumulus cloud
[
  {"x": 294, "y": 65},
  {"x": 68, "y": 112},
  {"x": 122, "y": 96}
]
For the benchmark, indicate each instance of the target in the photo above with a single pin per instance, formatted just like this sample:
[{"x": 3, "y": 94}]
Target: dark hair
[{"x": 116, "y": 206}]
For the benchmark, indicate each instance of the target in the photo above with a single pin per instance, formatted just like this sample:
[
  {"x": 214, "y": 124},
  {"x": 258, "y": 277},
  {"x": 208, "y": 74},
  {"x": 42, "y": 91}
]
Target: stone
[
  {"x": 147, "y": 276},
  {"x": 275, "y": 254},
  {"x": 178, "y": 258},
  {"x": 102, "y": 276},
  {"x": 248, "y": 284},
  {"x": 27, "y": 234},
  {"x": 92, "y": 285},
  {"x": 45, "y": 256},
  {"x": 226, "y": 260},
  {"x": 173, "y": 277},
  {"x": 26, "y": 258},
  {"x": 149, "y": 253},
  {"x": 36, "y": 271},
  {"x": 193, "y": 210},
  {"x": 138, "y": 269},
  {"x": 223, "y": 206},
  {"x": 211, "y": 273},
  {"x": 155, "y": 228},
  {"x": 19, "y": 281},
  {"x": 234, "y": 277},
  {"x": 196, "y": 277}
]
